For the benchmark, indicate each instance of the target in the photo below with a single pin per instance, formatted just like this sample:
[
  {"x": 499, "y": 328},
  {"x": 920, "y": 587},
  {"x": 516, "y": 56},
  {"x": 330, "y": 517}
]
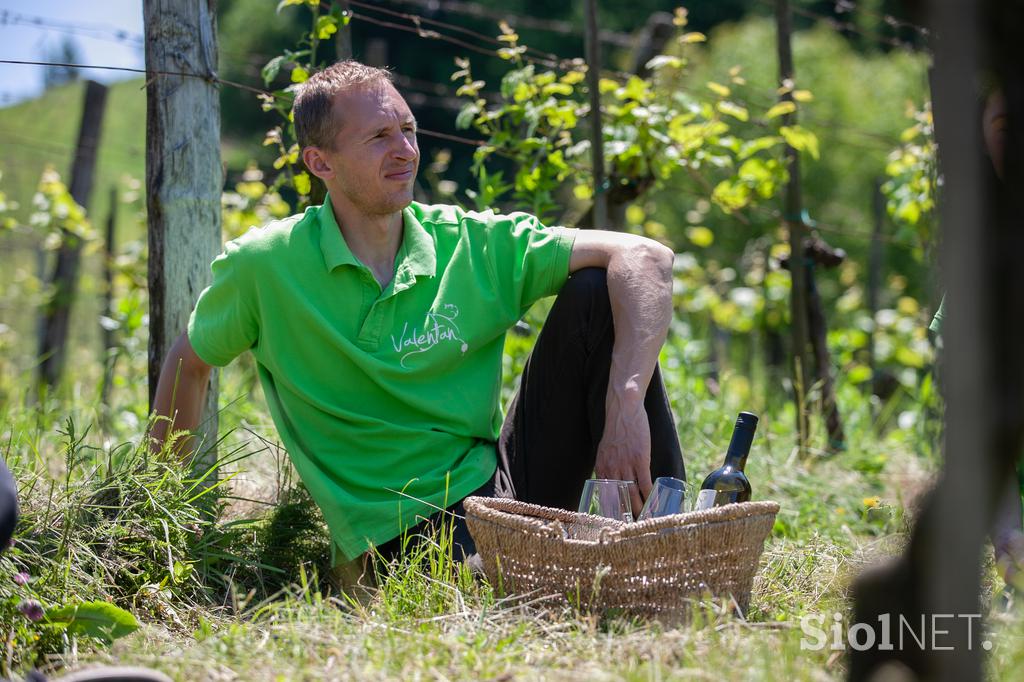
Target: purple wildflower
[
  {"x": 31, "y": 609},
  {"x": 21, "y": 578}
]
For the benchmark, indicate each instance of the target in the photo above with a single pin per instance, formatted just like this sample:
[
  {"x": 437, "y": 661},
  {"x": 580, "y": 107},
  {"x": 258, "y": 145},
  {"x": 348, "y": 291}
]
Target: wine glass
[
  {"x": 607, "y": 497},
  {"x": 668, "y": 496}
]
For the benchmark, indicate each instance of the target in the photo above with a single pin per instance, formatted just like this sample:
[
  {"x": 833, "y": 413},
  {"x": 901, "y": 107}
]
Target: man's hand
[{"x": 624, "y": 452}]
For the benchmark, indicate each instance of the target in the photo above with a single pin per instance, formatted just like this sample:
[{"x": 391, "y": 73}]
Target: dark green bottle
[{"x": 728, "y": 483}]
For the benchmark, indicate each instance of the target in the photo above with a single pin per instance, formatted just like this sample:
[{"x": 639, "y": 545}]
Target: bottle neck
[
  {"x": 736, "y": 460},
  {"x": 739, "y": 445}
]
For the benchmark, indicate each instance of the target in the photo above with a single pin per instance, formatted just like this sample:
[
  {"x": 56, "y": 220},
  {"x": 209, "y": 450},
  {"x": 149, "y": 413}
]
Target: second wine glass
[{"x": 668, "y": 496}]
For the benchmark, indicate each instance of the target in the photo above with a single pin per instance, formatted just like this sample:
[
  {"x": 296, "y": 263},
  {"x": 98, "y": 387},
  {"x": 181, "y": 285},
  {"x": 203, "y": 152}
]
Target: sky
[{"x": 106, "y": 32}]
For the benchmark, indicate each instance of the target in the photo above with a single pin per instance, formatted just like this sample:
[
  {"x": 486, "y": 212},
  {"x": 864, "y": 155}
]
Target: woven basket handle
[
  {"x": 721, "y": 514},
  {"x": 556, "y": 529}
]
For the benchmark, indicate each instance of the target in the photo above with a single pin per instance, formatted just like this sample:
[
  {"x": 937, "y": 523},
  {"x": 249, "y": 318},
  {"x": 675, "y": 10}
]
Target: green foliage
[
  {"x": 292, "y": 537},
  {"x": 653, "y": 132},
  {"x": 7, "y": 222},
  {"x": 115, "y": 532},
  {"x": 97, "y": 619},
  {"x": 745, "y": 246},
  {"x": 57, "y": 216},
  {"x": 855, "y": 135},
  {"x": 252, "y": 203},
  {"x": 300, "y": 64},
  {"x": 913, "y": 176}
]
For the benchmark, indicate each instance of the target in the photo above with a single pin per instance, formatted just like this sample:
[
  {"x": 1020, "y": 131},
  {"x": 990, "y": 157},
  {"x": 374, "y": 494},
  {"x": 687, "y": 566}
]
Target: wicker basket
[{"x": 654, "y": 568}]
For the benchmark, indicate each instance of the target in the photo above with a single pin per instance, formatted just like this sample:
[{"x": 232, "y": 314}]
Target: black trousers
[{"x": 548, "y": 442}]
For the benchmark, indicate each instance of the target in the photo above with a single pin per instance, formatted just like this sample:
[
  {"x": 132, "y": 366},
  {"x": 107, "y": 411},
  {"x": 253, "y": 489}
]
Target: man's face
[{"x": 375, "y": 155}]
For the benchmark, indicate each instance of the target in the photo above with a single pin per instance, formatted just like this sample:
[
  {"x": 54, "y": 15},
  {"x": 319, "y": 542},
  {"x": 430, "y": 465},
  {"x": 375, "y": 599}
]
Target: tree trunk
[{"x": 183, "y": 179}]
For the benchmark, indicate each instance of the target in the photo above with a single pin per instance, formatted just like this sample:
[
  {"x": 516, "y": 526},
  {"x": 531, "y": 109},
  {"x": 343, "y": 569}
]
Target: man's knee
[
  {"x": 582, "y": 309},
  {"x": 586, "y": 284}
]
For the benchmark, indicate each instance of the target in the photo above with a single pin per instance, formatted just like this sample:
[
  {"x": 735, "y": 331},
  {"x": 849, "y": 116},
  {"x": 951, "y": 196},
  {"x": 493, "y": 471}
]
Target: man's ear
[{"x": 317, "y": 163}]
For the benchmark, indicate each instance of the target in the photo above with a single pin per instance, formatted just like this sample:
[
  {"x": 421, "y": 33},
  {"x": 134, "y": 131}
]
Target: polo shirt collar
[
  {"x": 332, "y": 243},
  {"x": 416, "y": 255}
]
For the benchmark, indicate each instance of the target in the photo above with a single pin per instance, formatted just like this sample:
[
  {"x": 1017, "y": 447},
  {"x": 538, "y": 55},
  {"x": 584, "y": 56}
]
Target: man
[{"x": 378, "y": 328}]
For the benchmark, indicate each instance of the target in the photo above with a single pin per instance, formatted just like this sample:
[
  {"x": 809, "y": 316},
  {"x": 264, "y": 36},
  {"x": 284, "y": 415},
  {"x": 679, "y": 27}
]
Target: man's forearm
[
  {"x": 640, "y": 292},
  {"x": 180, "y": 393}
]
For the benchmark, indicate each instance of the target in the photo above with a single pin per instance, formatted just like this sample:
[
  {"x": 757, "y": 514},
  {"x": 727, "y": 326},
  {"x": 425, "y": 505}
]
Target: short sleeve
[
  {"x": 527, "y": 259},
  {"x": 224, "y": 322}
]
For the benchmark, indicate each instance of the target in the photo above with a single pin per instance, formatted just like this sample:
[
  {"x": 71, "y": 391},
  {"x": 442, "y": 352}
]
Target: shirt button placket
[{"x": 368, "y": 338}]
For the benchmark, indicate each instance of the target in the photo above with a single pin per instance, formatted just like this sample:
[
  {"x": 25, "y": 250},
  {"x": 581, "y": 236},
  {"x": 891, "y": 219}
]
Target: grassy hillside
[{"x": 44, "y": 131}]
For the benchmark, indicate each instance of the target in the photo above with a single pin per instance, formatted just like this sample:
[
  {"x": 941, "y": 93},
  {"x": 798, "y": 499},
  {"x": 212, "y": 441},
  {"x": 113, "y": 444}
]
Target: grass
[
  {"x": 232, "y": 584},
  {"x": 241, "y": 594}
]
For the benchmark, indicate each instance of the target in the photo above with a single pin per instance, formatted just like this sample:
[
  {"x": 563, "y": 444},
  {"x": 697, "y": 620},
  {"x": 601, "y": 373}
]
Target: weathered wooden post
[
  {"x": 183, "y": 179},
  {"x": 109, "y": 343}
]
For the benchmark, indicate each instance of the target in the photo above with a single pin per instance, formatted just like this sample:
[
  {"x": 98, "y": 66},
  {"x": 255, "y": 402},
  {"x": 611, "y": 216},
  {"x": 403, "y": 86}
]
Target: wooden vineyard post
[
  {"x": 343, "y": 38},
  {"x": 55, "y": 322},
  {"x": 817, "y": 253},
  {"x": 793, "y": 215},
  {"x": 183, "y": 180},
  {"x": 109, "y": 344},
  {"x": 875, "y": 281},
  {"x": 593, "y": 51},
  {"x": 820, "y": 254}
]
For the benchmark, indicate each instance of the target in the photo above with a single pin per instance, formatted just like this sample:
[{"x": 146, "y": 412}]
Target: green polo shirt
[{"x": 387, "y": 400}]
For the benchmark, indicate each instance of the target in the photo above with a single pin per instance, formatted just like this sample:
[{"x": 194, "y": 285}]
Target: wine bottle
[{"x": 728, "y": 483}]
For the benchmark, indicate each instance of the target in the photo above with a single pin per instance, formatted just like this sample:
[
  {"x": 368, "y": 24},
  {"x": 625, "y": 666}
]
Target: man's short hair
[{"x": 315, "y": 121}]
